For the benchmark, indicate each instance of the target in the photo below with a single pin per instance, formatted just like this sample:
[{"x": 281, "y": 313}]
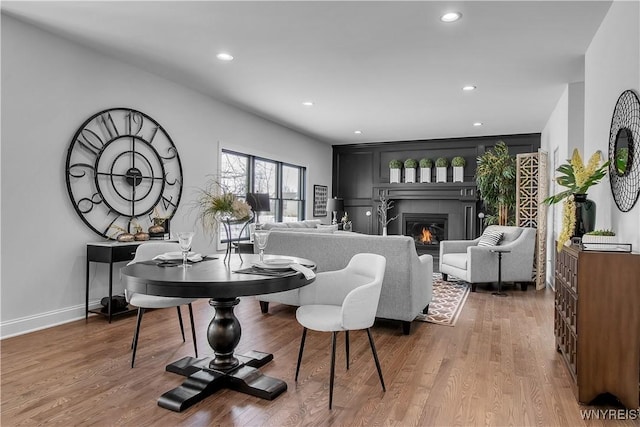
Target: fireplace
[{"x": 427, "y": 230}]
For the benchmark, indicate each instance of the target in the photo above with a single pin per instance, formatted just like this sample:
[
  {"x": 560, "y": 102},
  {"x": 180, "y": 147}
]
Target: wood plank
[{"x": 497, "y": 366}]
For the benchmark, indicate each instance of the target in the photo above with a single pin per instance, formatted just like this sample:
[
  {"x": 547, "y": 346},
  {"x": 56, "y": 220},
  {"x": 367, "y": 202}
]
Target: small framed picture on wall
[{"x": 320, "y": 200}]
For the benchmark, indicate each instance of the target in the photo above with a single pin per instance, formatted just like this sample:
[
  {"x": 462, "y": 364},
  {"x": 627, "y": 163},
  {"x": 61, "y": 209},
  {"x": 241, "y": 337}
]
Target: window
[{"x": 285, "y": 184}]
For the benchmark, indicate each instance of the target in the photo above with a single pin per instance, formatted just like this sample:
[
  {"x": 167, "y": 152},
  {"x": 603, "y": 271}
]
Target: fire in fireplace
[{"x": 428, "y": 230}]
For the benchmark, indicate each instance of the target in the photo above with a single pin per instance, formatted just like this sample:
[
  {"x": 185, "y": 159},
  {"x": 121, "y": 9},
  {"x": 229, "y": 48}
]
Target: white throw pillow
[{"x": 490, "y": 238}]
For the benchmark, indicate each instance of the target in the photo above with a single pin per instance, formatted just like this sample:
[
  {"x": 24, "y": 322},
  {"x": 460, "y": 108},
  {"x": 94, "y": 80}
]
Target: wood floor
[{"x": 498, "y": 366}]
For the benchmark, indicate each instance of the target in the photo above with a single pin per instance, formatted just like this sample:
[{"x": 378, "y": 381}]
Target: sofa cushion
[
  {"x": 272, "y": 225},
  {"x": 490, "y": 237},
  {"x": 296, "y": 224},
  {"x": 333, "y": 227},
  {"x": 301, "y": 230},
  {"x": 458, "y": 260},
  {"x": 311, "y": 223}
]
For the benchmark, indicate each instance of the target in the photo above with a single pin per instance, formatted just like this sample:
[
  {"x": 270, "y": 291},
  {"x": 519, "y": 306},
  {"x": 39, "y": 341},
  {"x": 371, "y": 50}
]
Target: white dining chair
[
  {"x": 145, "y": 252},
  {"x": 343, "y": 300}
]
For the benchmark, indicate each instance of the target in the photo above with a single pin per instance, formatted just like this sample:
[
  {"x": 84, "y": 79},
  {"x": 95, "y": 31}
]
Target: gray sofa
[
  {"x": 408, "y": 280},
  {"x": 466, "y": 260}
]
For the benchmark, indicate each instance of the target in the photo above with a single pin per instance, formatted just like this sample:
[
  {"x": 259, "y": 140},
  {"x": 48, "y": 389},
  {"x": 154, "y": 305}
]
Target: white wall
[
  {"x": 612, "y": 65},
  {"x": 582, "y": 117},
  {"x": 49, "y": 87},
  {"x": 554, "y": 139}
]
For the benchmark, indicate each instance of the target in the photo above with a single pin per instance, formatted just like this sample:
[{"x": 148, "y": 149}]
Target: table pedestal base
[{"x": 203, "y": 381}]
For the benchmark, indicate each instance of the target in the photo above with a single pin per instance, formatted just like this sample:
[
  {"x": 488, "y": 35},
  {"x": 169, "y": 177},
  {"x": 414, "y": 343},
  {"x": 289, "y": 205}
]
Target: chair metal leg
[
  {"x": 375, "y": 357},
  {"x": 134, "y": 344},
  {"x": 304, "y": 335},
  {"x": 193, "y": 330},
  {"x": 333, "y": 366},
  {"x": 181, "y": 325},
  {"x": 346, "y": 346}
]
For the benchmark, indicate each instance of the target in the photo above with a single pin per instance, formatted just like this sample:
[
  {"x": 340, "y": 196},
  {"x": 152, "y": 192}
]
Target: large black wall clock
[{"x": 122, "y": 169}]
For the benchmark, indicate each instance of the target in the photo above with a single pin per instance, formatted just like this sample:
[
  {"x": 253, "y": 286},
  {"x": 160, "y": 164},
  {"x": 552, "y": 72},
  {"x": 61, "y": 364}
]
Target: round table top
[{"x": 210, "y": 278}]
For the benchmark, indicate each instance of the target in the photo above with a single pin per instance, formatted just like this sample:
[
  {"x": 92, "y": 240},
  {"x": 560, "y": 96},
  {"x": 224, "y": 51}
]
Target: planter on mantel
[
  {"x": 441, "y": 174},
  {"x": 458, "y": 173},
  {"x": 425, "y": 174},
  {"x": 394, "y": 175},
  {"x": 409, "y": 175}
]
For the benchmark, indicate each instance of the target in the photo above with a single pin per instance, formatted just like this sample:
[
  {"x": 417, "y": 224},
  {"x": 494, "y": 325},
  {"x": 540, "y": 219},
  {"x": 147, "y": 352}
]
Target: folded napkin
[
  {"x": 173, "y": 256},
  {"x": 308, "y": 273}
]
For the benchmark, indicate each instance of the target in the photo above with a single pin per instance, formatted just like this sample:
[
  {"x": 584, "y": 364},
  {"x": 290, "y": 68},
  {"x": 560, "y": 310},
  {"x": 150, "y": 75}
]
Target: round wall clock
[{"x": 122, "y": 170}]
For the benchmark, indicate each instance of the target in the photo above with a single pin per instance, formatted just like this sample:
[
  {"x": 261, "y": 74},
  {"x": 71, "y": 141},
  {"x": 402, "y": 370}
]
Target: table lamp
[
  {"x": 259, "y": 202},
  {"x": 335, "y": 205}
]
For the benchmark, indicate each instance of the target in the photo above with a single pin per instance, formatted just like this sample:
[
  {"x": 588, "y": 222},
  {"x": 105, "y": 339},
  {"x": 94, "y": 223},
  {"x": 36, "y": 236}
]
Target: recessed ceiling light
[
  {"x": 224, "y": 56},
  {"x": 357, "y": 132},
  {"x": 469, "y": 88},
  {"x": 307, "y": 104},
  {"x": 477, "y": 124},
  {"x": 451, "y": 17}
]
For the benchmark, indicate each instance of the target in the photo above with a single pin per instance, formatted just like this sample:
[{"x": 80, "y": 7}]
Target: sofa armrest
[
  {"x": 482, "y": 264},
  {"x": 456, "y": 246},
  {"x": 426, "y": 281},
  {"x": 426, "y": 264}
]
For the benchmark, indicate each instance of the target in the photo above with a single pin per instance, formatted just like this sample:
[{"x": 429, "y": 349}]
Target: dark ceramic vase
[{"x": 585, "y": 215}]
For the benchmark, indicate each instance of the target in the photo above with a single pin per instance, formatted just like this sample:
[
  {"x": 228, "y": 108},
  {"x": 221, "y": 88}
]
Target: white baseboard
[{"x": 36, "y": 322}]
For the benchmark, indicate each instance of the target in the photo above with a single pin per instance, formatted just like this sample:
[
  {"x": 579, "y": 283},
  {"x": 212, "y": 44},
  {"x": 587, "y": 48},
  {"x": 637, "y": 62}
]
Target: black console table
[{"x": 109, "y": 252}]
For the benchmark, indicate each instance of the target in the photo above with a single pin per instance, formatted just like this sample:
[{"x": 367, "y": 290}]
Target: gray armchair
[{"x": 466, "y": 260}]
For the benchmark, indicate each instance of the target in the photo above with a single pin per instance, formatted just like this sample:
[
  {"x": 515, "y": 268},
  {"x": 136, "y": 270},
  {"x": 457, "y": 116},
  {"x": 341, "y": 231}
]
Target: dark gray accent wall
[{"x": 361, "y": 172}]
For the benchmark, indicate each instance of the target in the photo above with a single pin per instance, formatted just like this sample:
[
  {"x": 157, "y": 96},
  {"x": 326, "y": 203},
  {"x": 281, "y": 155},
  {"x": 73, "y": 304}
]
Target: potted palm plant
[
  {"x": 395, "y": 167},
  {"x": 441, "y": 169},
  {"x": 425, "y": 169},
  {"x": 410, "y": 166},
  {"x": 496, "y": 180},
  {"x": 458, "y": 163}
]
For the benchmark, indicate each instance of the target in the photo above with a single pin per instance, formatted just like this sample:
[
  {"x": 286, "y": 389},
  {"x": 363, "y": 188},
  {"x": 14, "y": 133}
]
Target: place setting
[
  {"x": 183, "y": 258},
  {"x": 275, "y": 266},
  {"x": 279, "y": 267}
]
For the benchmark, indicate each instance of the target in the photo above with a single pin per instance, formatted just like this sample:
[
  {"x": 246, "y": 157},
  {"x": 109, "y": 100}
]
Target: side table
[
  {"x": 500, "y": 252},
  {"x": 109, "y": 252}
]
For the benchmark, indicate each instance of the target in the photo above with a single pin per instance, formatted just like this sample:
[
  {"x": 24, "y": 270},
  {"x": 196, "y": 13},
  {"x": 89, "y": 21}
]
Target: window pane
[
  {"x": 265, "y": 178},
  {"x": 290, "y": 183},
  {"x": 234, "y": 173},
  {"x": 234, "y": 178},
  {"x": 290, "y": 210}
]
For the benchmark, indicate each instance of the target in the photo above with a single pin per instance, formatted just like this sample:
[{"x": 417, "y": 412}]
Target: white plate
[
  {"x": 170, "y": 256},
  {"x": 273, "y": 266},
  {"x": 275, "y": 262}
]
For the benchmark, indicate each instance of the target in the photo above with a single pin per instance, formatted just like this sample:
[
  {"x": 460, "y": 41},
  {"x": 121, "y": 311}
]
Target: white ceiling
[{"x": 390, "y": 69}]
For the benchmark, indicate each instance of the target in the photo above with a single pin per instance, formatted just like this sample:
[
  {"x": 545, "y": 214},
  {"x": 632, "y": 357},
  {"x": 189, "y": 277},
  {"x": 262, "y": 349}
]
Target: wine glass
[
  {"x": 184, "y": 240},
  {"x": 260, "y": 238}
]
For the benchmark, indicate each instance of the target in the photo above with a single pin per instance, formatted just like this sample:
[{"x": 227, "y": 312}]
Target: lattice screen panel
[{"x": 531, "y": 190}]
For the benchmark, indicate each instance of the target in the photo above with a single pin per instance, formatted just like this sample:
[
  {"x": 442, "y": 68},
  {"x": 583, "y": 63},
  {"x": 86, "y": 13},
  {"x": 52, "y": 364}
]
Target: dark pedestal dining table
[{"x": 222, "y": 284}]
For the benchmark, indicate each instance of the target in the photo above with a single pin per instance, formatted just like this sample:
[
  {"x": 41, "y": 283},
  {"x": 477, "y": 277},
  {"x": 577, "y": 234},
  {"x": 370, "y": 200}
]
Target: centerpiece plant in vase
[
  {"x": 578, "y": 212},
  {"x": 218, "y": 206}
]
